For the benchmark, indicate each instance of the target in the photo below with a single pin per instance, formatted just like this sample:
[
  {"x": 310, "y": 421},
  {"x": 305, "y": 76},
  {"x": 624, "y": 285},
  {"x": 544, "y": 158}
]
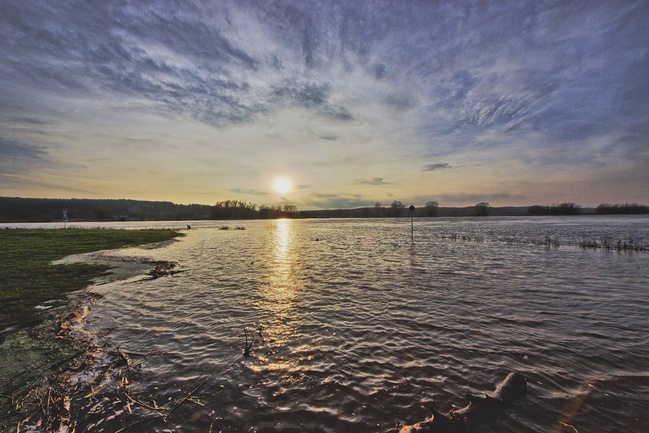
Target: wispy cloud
[
  {"x": 493, "y": 197},
  {"x": 336, "y": 201},
  {"x": 249, "y": 192},
  {"x": 18, "y": 158},
  {"x": 376, "y": 181},
  {"x": 12, "y": 150},
  {"x": 436, "y": 166}
]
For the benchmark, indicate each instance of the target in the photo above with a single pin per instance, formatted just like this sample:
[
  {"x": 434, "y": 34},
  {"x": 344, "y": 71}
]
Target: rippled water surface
[{"x": 359, "y": 328}]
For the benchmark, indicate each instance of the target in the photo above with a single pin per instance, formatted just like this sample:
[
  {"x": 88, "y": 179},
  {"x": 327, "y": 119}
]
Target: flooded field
[{"x": 355, "y": 326}]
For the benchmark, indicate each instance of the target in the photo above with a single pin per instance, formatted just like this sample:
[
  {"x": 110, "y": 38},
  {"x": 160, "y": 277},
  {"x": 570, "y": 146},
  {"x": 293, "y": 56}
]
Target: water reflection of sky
[{"x": 357, "y": 315}]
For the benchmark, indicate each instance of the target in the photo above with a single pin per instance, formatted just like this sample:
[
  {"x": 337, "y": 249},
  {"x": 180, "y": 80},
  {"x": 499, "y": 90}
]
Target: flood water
[{"x": 359, "y": 328}]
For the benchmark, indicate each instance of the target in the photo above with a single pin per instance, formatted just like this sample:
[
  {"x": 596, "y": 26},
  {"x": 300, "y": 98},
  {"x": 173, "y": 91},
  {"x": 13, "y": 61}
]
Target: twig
[
  {"x": 246, "y": 351},
  {"x": 144, "y": 405},
  {"x": 196, "y": 388},
  {"x": 134, "y": 423},
  {"x": 569, "y": 425},
  {"x": 49, "y": 397},
  {"x": 212, "y": 420}
]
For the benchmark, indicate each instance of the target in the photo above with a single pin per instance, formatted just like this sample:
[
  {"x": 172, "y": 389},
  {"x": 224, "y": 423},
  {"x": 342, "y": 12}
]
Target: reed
[
  {"x": 455, "y": 237},
  {"x": 609, "y": 244}
]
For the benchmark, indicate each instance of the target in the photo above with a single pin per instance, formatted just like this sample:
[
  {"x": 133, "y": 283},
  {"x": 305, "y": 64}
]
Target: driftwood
[
  {"x": 479, "y": 411},
  {"x": 163, "y": 269}
]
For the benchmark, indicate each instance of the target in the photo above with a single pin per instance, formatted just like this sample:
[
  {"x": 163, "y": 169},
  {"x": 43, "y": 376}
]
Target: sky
[{"x": 512, "y": 102}]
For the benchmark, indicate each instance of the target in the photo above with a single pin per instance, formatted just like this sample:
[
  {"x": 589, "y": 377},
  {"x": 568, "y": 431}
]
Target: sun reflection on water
[
  {"x": 279, "y": 297},
  {"x": 282, "y": 240}
]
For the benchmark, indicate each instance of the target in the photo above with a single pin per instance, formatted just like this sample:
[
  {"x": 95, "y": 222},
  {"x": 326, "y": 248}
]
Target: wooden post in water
[{"x": 412, "y": 221}]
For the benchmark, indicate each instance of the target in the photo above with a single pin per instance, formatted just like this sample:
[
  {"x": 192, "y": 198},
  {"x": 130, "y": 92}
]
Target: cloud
[
  {"x": 452, "y": 199},
  {"x": 236, "y": 65},
  {"x": 436, "y": 166},
  {"x": 312, "y": 96},
  {"x": 10, "y": 149},
  {"x": 249, "y": 192},
  {"x": 336, "y": 201},
  {"x": 17, "y": 158},
  {"x": 374, "y": 181}
]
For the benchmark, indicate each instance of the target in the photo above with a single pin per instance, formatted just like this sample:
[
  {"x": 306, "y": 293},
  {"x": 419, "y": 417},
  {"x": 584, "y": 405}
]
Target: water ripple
[{"x": 359, "y": 328}]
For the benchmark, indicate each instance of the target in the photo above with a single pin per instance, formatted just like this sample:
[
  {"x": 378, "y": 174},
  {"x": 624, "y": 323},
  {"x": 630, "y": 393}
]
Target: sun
[{"x": 282, "y": 185}]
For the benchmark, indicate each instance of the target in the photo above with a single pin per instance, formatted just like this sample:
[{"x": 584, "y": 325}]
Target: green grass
[
  {"x": 26, "y": 277},
  {"x": 32, "y": 353}
]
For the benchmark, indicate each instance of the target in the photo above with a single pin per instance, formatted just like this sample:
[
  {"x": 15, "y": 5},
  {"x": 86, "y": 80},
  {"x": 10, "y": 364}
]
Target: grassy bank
[
  {"x": 26, "y": 277},
  {"x": 30, "y": 353}
]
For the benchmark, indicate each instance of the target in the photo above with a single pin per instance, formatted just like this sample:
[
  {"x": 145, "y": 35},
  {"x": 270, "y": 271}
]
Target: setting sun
[{"x": 282, "y": 185}]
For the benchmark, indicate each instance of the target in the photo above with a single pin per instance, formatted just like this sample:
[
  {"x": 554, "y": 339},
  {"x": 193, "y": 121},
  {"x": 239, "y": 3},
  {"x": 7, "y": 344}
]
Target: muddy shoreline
[{"x": 75, "y": 370}]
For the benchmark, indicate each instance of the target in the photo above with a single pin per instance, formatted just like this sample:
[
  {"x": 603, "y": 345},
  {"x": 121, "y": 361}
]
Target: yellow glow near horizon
[{"x": 282, "y": 185}]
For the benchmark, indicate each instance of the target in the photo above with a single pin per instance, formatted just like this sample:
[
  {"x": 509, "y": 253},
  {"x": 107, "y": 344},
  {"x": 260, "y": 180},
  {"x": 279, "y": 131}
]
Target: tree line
[
  {"x": 237, "y": 209},
  {"x": 622, "y": 209},
  {"x": 569, "y": 208},
  {"x": 15, "y": 209}
]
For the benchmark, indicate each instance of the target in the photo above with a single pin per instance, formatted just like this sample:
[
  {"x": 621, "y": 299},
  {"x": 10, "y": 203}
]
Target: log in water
[{"x": 480, "y": 410}]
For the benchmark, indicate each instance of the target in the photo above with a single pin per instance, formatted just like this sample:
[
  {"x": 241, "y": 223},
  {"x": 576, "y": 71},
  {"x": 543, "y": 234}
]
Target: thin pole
[{"x": 412, "y": 221}]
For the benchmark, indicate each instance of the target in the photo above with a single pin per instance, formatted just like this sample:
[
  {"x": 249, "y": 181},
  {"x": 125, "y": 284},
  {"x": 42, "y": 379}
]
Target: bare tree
[
  {"x": 482, "y": 209},
  {"x": 431, "y": 208},
  {"x": 289, "y": 209},
  {"x": 396, "y": 208}
]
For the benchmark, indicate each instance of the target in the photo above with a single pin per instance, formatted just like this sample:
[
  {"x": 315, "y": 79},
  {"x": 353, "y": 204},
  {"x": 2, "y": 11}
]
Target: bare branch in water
[{"x": 246, "y": 350}]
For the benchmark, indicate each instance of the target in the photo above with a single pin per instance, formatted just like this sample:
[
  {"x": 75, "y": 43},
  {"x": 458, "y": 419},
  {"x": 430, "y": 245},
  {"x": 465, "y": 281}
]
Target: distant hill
[{"x": 15, "y": 209}]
